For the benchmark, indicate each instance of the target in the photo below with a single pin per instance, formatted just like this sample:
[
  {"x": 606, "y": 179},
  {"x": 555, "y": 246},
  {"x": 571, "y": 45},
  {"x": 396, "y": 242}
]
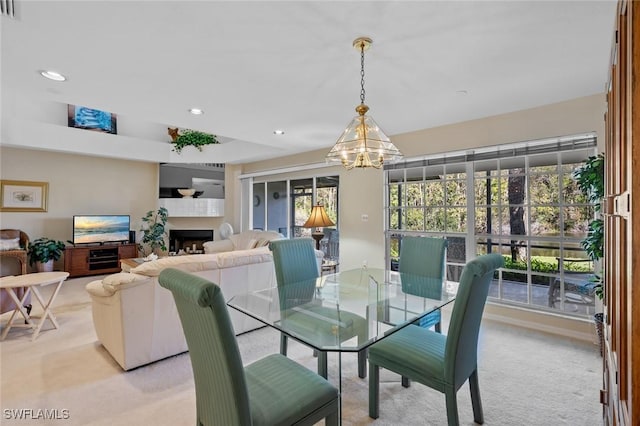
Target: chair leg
[
  {"x": 374, "y": 388},
  {"x": 405, "y": 382},
  {"x": 332, "y": 419},
  {"x": 476, "y": 402},
  {"x": 322, "y": 364},
  {"x": 452, "y": 406},
  {"x": 283, "y": 344},
  {"x": 362, "y": 364}
]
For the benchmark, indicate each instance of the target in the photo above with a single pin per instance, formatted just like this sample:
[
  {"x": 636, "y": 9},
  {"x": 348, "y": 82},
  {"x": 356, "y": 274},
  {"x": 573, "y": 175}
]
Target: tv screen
[{"x": 100, "y": 229}]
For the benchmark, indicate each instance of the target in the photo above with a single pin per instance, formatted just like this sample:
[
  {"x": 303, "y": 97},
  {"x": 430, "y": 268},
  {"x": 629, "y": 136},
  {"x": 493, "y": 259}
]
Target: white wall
[
  {"x": 80, "y": 184},
  {"x": 361, "y": 191}
]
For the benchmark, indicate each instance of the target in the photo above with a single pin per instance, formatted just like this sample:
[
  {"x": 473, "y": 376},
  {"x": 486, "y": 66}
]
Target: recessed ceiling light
[
  {"x": 196, "y": 111},
  {"x": 278, "y": 132},
  {"x": 52, "y": 75}
]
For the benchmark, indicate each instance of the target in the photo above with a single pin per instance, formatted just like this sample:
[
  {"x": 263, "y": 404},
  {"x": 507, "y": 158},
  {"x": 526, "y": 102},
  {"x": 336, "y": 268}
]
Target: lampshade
[
  {"x": 318, "y": 218},
  {"x": 363, "y": 143}
]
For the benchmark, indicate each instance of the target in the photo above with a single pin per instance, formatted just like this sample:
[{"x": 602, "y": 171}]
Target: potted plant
[
  {"x": 154, "y": 231},
  {"x": 590, "y": 180},
  {"x": 187, "y": 137},
  {"x": 43, "y": 251}
]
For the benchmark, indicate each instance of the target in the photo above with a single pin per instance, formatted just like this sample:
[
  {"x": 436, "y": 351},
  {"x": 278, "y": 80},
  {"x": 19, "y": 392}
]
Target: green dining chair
[
  {"x": 424, "y": 257},
  {"x": 443, "y": 363},
  {"x": 295, "y": 263},
  {"x": 271, "y": 391}
]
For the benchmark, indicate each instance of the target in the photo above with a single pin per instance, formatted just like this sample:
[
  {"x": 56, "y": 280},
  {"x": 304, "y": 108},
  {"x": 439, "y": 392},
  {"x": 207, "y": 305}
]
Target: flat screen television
[{"x": 88, "y": 229}]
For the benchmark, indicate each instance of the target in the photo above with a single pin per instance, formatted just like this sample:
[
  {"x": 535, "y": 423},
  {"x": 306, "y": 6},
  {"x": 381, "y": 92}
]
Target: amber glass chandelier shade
[{"x": 318, "y": 218}]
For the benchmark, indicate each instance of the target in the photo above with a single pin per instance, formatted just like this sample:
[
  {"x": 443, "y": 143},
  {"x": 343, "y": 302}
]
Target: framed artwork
[
  {"x": 23, "y": 196},
  {"x": 92, "y": 119}
]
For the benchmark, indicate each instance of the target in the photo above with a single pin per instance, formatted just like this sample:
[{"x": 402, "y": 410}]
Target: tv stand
[{"x": 96, "y": 260}]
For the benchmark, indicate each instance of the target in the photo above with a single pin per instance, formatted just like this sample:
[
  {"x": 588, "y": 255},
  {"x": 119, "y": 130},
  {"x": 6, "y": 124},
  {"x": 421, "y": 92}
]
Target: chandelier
[{"x": 363, "y": 144}]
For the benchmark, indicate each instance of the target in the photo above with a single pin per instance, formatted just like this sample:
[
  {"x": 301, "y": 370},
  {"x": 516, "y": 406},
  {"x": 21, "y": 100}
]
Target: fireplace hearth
[{"x": 189, "y": 240}]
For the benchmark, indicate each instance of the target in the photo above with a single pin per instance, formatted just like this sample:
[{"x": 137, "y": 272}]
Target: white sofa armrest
[
  {"x": 218, "y": 246},
  {"x": 115, "y": 282}
]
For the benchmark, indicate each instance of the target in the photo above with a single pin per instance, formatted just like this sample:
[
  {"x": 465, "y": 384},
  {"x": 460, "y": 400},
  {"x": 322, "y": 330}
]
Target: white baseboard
[{"x": 575, "y": 328}]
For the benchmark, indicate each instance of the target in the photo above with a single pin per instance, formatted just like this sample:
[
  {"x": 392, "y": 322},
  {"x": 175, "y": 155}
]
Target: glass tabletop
[{"x": 346, "y": 311}]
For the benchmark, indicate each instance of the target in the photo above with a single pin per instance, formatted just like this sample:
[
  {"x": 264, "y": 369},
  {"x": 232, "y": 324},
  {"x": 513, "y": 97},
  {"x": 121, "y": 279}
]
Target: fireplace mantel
[{"x": 193, "y": 207}]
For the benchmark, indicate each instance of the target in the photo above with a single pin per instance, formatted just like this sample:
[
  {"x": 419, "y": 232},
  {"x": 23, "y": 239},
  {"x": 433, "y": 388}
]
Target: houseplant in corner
[
  {"x": 154, "y": 231},
  {"x": 43, "y": 251},
  {"x": 188, "y": 137},
  {"x": 590, "y": 180}
]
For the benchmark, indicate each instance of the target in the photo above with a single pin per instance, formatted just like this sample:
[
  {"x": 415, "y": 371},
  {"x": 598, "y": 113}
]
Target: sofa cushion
[
  {"x": 243, "y": 240},
  {"x": 219, "y": 246},
  {"x": 235, "y": 258},
  {"x": 188, "y": 263}
]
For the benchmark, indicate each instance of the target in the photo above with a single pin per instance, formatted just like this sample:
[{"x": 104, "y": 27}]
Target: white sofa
[
  {"x": 136, "y": 319},
  {"x": 245, "y": 240}
]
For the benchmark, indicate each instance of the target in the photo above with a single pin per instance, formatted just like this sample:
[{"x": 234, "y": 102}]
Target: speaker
[{"x": 132, "y": 236}]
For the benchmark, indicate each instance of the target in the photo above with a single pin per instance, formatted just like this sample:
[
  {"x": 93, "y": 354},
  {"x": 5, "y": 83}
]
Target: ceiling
[{"x": 255, "y": 67}]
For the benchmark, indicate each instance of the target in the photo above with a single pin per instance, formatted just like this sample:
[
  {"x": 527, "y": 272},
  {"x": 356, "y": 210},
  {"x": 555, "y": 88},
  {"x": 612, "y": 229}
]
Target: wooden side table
[
  {"x": 32, "y": 282},
  {"x": 128, "y": 264}
]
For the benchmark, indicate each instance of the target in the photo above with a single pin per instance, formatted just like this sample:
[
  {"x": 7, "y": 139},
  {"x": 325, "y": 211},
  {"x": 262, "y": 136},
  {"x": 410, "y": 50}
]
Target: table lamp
[{"x": 318, "y": 219}]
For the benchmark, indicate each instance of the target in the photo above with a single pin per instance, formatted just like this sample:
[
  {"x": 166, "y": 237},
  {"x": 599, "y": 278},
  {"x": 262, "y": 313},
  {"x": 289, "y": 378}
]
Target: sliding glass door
[{"x": 285, "y": 205}]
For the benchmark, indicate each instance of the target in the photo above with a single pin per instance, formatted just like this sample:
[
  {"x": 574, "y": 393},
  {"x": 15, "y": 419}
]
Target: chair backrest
[
  {"x": 295, "y": 262},
  {"x": 221, "y": 389},
  {"x": 424, "y": 256},
  {"x": 462, "y": 338}
]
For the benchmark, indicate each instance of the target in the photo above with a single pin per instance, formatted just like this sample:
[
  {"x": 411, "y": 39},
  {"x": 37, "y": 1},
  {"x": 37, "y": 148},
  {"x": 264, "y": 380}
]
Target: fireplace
[{"x": 189, "y": 240}]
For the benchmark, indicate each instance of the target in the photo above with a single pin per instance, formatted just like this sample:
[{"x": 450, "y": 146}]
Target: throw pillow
[
  {"x": 262, "y": 242},
  {"x": 9, "y": 244}
]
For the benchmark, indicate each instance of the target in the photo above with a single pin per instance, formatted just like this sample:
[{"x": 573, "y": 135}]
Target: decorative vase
[
  {"x": 187, "y": 192},
  {"x": 45, "y": 267}
]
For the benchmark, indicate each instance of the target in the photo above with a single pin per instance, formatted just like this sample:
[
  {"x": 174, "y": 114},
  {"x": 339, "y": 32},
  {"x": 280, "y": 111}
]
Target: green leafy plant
[
  {"x": 590, "y": 180},
  {"x": 154, "y": 231},
  {"x": 193, "y": 138},
  {"x": 44, "y": 249}
]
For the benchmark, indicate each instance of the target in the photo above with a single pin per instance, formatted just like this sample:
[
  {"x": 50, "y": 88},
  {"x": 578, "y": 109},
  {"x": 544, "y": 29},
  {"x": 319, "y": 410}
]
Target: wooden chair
[{"x": 19, "y": 254}]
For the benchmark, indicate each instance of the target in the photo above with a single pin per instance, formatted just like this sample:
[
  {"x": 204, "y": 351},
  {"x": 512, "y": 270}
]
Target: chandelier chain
[{"x": 362, "y": 73}]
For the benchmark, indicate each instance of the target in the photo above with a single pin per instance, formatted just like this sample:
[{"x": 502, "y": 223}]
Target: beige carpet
[{"x": 526, "y": 378}]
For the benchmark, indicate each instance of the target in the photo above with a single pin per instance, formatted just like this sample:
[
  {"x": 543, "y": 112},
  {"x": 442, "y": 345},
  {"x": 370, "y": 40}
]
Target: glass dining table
[{"x": 347, "y": 311}]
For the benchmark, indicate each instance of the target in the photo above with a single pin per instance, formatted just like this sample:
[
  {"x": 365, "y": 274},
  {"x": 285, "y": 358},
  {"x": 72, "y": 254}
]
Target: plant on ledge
[
  {"x": 187, "y": 137},
  {"x": 154, "y": 230}
]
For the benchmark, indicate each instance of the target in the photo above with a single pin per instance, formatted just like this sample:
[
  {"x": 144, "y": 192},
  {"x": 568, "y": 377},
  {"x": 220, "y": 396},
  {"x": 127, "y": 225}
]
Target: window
[
  {"x": 285, "y": 205},
  {"x": 519, "y": 200}
]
